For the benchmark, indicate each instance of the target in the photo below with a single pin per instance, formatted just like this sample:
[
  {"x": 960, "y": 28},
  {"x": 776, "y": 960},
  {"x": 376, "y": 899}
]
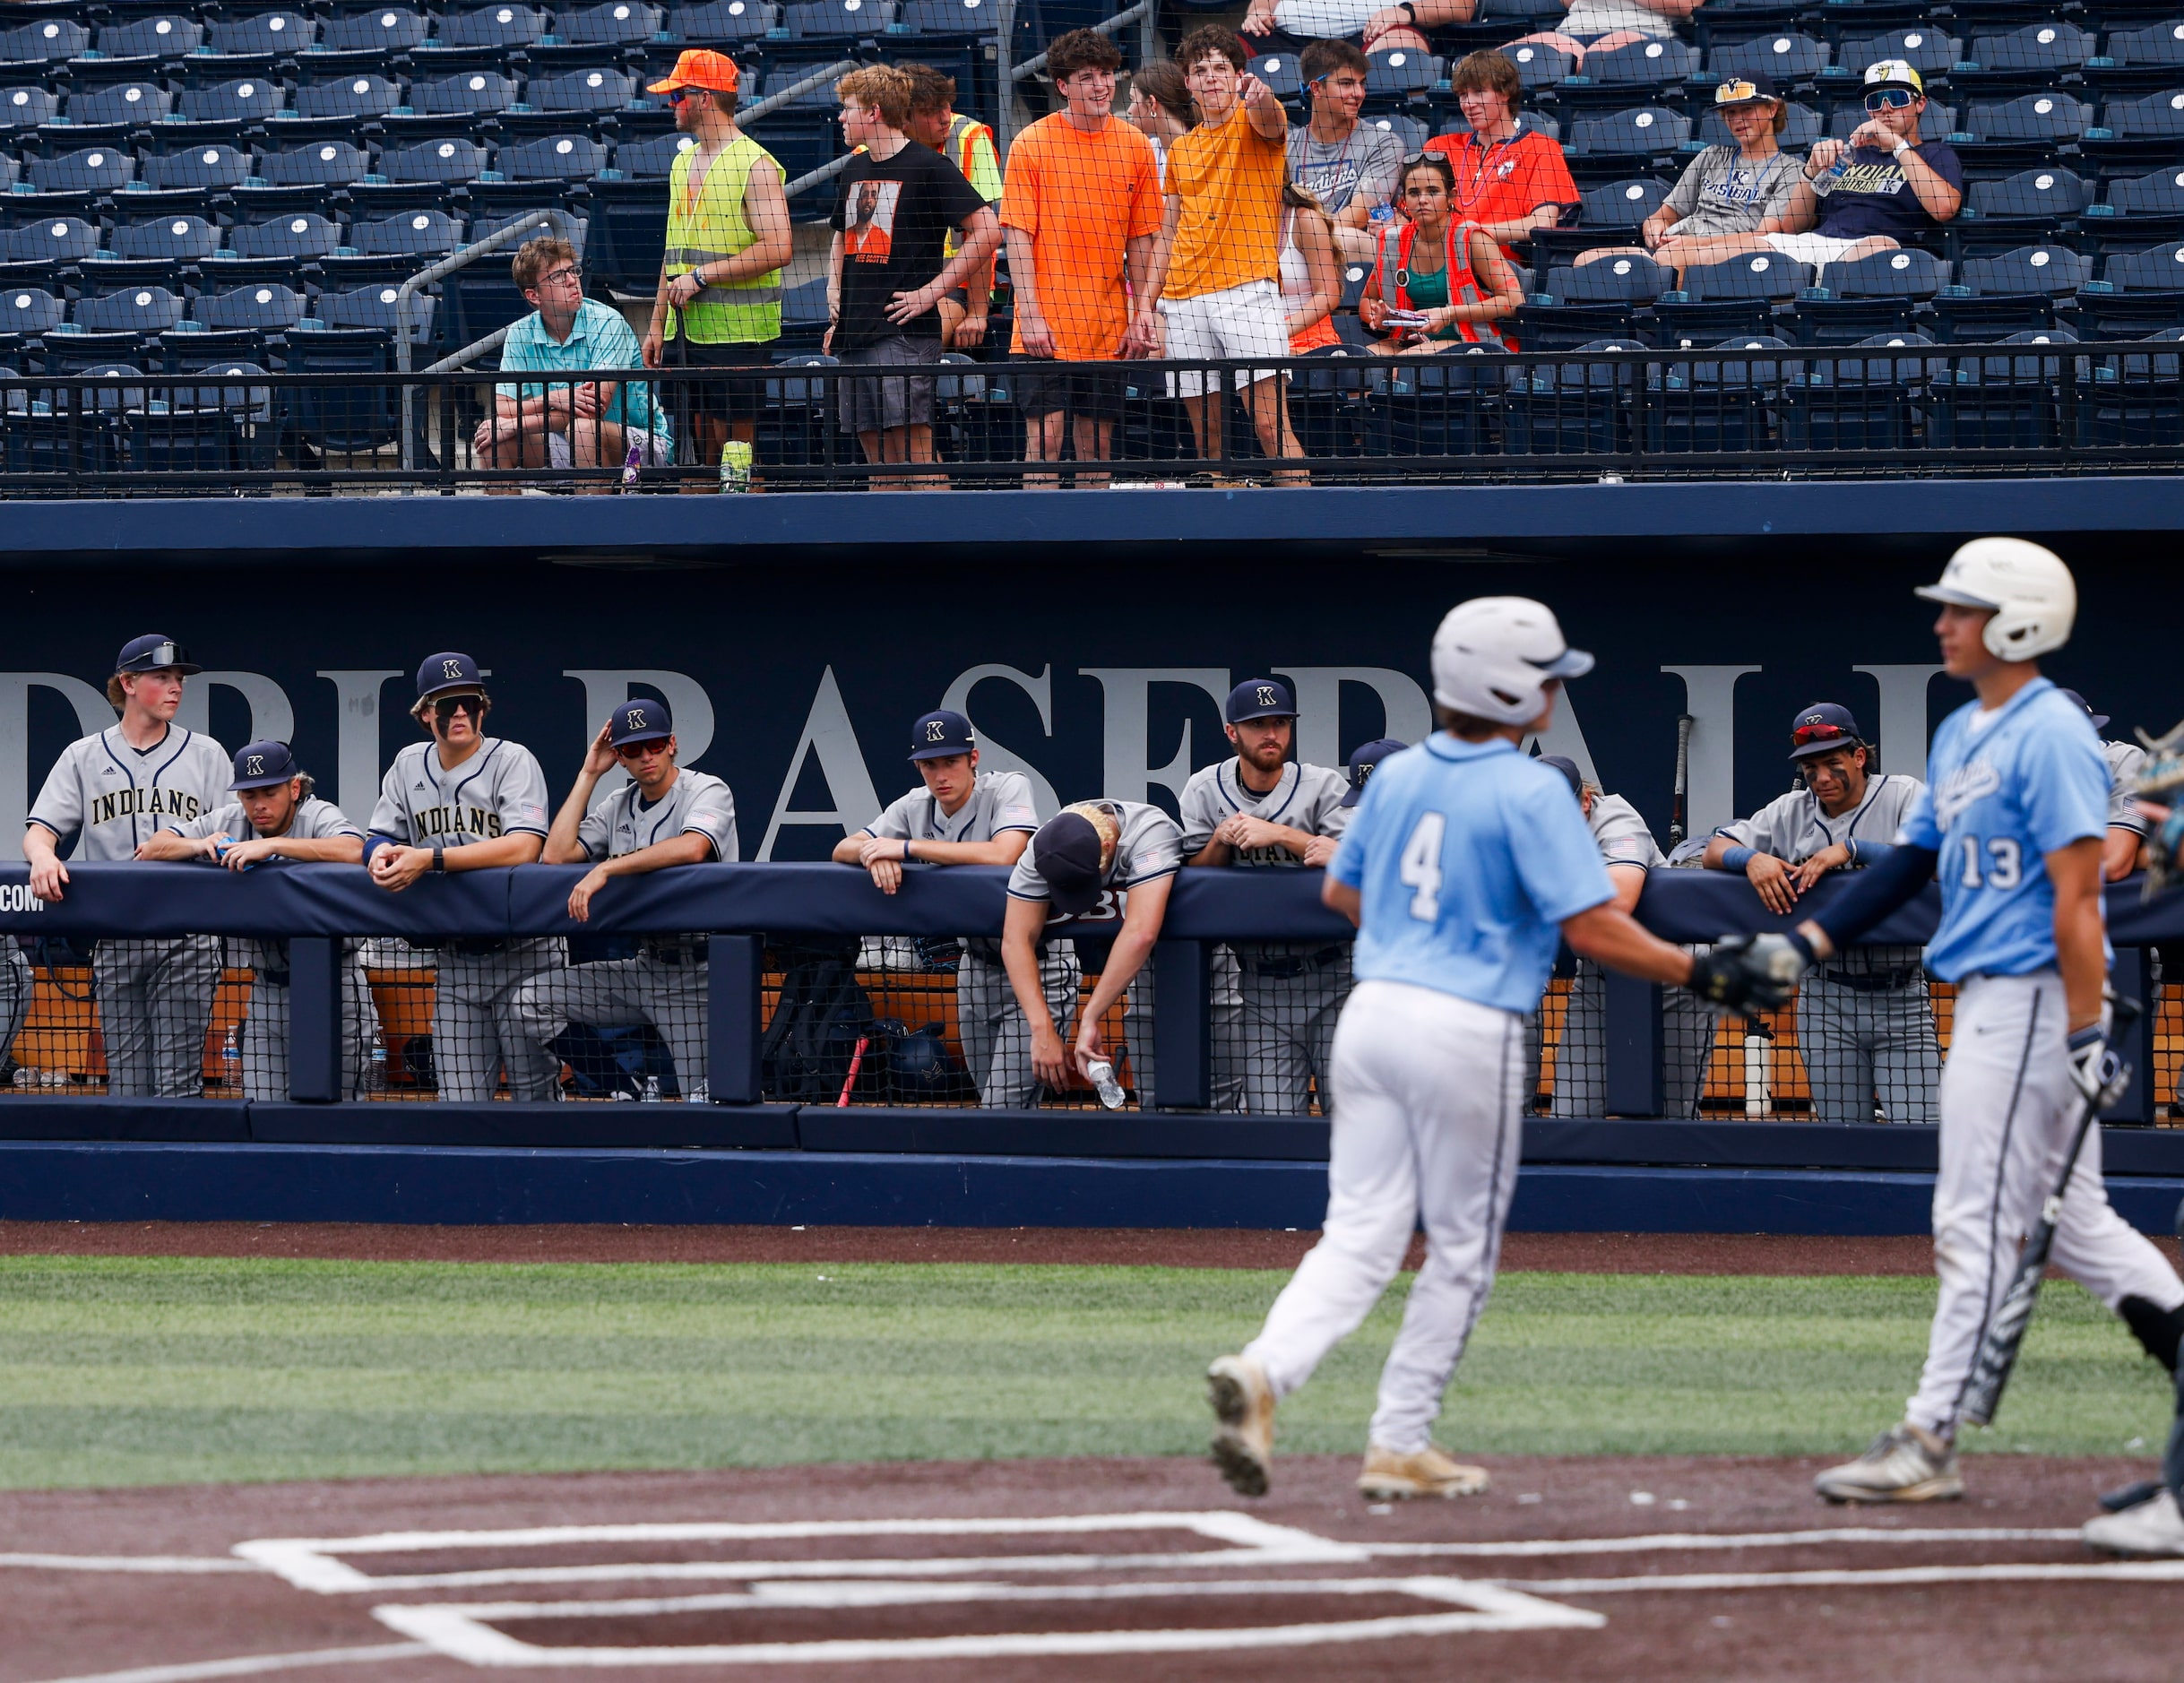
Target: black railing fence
[{"x": 1747, "y": 408}]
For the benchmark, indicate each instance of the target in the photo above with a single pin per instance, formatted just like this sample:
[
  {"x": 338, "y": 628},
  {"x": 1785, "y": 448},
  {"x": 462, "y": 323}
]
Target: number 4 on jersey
[{"x": 1420, "y": 870}]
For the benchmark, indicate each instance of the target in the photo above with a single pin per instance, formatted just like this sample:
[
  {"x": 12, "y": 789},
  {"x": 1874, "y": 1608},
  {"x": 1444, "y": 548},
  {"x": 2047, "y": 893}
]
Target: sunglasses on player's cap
[{"x": 1823, "y": 729}]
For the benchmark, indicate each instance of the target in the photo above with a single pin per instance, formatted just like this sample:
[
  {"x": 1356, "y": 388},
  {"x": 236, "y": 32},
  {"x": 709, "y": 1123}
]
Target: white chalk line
[
  {"x": 468, "y": 1633},
  {"x": 1680, "y": 1542},
  {"x": 128, "y": 1562},
  {"x": 2010, "y": 1572},
  {"x": 247, "y": 1665}
]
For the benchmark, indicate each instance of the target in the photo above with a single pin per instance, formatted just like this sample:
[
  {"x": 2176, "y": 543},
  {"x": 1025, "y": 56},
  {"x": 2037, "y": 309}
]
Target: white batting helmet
[
  {"x": 1493, "y": 656},
  {"x": 2029, "y": 588}
]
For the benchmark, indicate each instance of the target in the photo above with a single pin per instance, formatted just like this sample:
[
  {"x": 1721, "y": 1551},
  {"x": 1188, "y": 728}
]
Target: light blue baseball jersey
[
  {"x": 1468, "y": 856},
  {"x": 2004, "y": 791}
]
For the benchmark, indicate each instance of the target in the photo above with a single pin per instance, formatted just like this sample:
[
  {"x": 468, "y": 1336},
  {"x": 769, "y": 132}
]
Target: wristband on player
[{"x": 1737, "y": 859}]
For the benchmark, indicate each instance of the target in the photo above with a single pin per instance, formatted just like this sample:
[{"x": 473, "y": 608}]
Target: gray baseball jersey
[
  {"x": 1792, "y": 827},
  {"x": 999, "y": 802},
  {"x": 1307, "y": 798},
  {"x": 696, "y": 801},
  {"x": 1622, "y": 835},
  {"x": 118, "y": 796},
  {"x": 499, "y": 790},
  {"x": 1151, "y": 847},
  {"x": 2125, "y": 760},
  {"x": 315, "y": 820}
]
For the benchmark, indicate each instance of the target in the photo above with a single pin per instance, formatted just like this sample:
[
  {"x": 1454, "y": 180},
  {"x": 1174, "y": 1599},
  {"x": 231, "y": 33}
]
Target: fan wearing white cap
[
  {"x": 2013, "y": 822},
  {"x": 1463, "y": 868}
]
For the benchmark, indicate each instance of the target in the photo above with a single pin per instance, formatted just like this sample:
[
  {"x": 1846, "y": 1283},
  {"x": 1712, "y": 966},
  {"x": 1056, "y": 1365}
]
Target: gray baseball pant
[
  {"x": 1687, "y": 1027},
  {"x": 996, "y": 1039},
  {"x": 475, "y": 1028},
  {"x": 265, "y": 1029},
  {"x": 621, "y": 993},
  {"x": 1856, "y": 1040},
  {"x": 1285, "y": 1026},
  {"x": 16, "y": 985},
  {"x": 155, "y": 1004}
]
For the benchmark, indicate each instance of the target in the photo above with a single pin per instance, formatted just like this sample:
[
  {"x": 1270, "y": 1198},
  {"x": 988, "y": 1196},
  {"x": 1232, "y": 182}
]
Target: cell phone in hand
[{"x": 1401, "y": 320}]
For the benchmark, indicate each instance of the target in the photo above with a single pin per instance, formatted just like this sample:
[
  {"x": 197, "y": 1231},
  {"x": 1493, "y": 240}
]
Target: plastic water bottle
[
  {"x": 231, "y": 1060},
  {"x": 629, "y": 466},
  {"x": 735, "y": 466},
  {"x": 1102, "y": 1073},
  {"x": 651, "y": 1091},
  {"x": 376, "y": 1071}
]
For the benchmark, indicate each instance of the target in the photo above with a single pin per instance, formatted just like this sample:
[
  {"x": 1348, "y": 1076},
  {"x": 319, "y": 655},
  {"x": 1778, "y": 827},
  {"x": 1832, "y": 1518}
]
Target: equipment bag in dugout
[{"x": 823, "y": 1011}]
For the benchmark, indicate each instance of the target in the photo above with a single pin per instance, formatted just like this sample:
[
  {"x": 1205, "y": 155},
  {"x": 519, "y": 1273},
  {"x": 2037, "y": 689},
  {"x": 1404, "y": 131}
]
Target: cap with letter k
[{"x": 938, "y": 734}]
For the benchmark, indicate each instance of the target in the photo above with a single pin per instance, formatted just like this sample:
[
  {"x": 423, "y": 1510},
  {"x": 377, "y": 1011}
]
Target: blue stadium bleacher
[
  {"x": 593, "y": 95},
  {"x": 1587, "y": 302},
  {"x": 1642, "y": 141},
  {"x": 599, "y": 34},
  {"x": 1879, "y": 294},
  {"x": 2014, "y": 291},
  {"x": 1643, "y": 73},
  {"x": 280, "y": 247},
  {"x": 222, "y": 108},
  {"x": 2001, "y": 402},
  {"x": 1859, "y": 403},
  {"x": 376, "y": 38},
  {"x": 1280, "y": 73},
  {"x": 1737, "y": 296},
  {"x": 2004, "y": 136},
  {"x": 1793, "y": 62},
  {"x": 422, "y": 177},
  {"x": 27, "y": 313},
  {"x": 1606, "y": 215},
  {"x": 722, "y": 24},
  {"x": 2137, "y": 135},
  {"x": 392, "y": 247},
  {"x": 475, "y": 95},
  {"x": 2032, "y": 206},
  {"x": 161, "y": 40},
  {"x": 2020, "y": 60},
  {"x": 2139, "y": 212},
  {"x": 25, "y": 109},
  {"x": 2138, "y": 293},
  {"x": 1401, "y": 75},
  {"x": 112, "y": 112},
  {"x": 236, "y": 44},
  {"x": 31, "y": 46},
  {"x": 837, "y": 19},
  {"x": 485, "y": 35},
  {"x": 2138, "y": 62},
  {"x": 76, "y": 180},
  {"x": 165, "y": 250},
  {"x": 43, "y": 248},
  {"x": 191, "y": 179},
  {"x": 1928, "y": 50},
  {"x": 301, "y": 176}
]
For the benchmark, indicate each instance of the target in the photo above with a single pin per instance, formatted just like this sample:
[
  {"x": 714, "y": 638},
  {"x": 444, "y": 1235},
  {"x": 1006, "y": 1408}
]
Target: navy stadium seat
[
  {"x": 1801, "y": 126},
  {"x": 392, "y": 247},
  {"x": 256, "y": 43},
  {"x": 2138, "y": 293},
  {"x": 629, "y": 233},
  {"x": 1280, "y": 73},
  {"x": 1643, "y": 73},
  {"x": 196, "y": 173},
  {"x": 266, "y": 309},
  {"x": 305, "y": 177},
  {"x": 1539, "y": 65},
  {"x": 439, "y": 165},
  {"x": 566, "y": 159},
  {"x": 372, "y": 308},
  {"x": 48, "y": 246},
  {"x": 969, "y": 19},
  {"x": 2014, "y": 291},
  {"x": 467, "y": 93},
  {"x": 1850, "y": 403},
  {"x": 485, "y": 35},
  {"x": 2139, "y": 62},
  {"x": 45, "y": 41},
  {"x": 1409, "y": 131},
  {"x": 2028, "y": 207},
  {"x": 124, "y": 107},
  {"x": 165, "y": 39},
  {"x": 82, "y": 179},
  {"x": 379, "y": 36},
  {"x": 2137, "y": 135},
  {"x": 1926, "y": 47},
  {"x": 1604, "y": 298},
  {"x": 225, "y": 107},
  {"x": 279, "y": 247},
  {"x": 2137, "y": 400},
  {"x": 1627, "y": 143},
  {"x": 27, "y": 313},
  {"x": 1864, "y": 295},
  {"x": 112, "y": 325},
  {"x": 1573, "y": 409},
  {"x": 345, "y": 105},
  {"x": 1720, "y": 403},
  {"x": 595, "y": 93},
  {"x": 619, "y": 23},
  {"x": 25, "y": 109},
  {"x": 2139, "y": 212},
  {"x": 1400, "y": 73},
  {"x": 162, "y": 249},
  {"x": 1606, "y": 215},
  {"x": 2035, "y": 55},
  {"x": 722, "y": 22},
  {"x": 1792, "y": 60},
  {"x": 2001, "y": 401},
  {"x": 837, "y": 19},
  {"x": 352, "y": 333},
  {"x": 1737, "y": 295},
  {"x": 2003, "y": 136},
  {"x": 650, "y": 159}
]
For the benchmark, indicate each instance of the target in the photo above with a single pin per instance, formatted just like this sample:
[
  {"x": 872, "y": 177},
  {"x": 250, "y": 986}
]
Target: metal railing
[{"x": 1354, "y": 420}]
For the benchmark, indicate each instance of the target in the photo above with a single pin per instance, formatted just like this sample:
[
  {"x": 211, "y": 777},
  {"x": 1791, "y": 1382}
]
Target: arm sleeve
[
  {"x": 1550, "y": 176},
  {"x": 1025, "y": 882},
  {"x": 1159, "y": 852},
  {"x": 1014, "y": 808},
  {"x": 328, "y": 821},
  {"x": 206, "y": 824},
  {"x": 985, "y": 165},
  {"x": 388, "y": 819},
  {"x": 1348, "y": 865},
  {"x": 1148, "y": 204},
  {"x": 959, "y": 200},
  {"x": 1874, "y": 893},
  {"x": 1379, "y": 170},
  {"x": 1918, "y": 829},
  {"x": 2122, "y": 806},
  {"x": 1782, "y": 189},
  {"x": 1200, "y": 816}
]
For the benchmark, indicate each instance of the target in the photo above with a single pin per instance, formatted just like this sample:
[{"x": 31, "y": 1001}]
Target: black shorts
[
  {"x": 735, "y": 400},
  {"x": 1043, "y": 386},
  {"x": 959, "y": 296}
]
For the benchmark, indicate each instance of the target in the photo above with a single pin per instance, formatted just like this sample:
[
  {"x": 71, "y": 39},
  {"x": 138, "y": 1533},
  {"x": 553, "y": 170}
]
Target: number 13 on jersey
[{"x": 2005, "y": 867}]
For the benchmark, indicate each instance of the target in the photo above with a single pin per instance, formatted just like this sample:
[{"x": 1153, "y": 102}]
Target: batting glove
[
  {"x": 1747, "y": 973},
  {"x": 2096, "y": 1069}
]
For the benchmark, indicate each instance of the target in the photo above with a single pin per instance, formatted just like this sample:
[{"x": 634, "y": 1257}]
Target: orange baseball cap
[{"x": 700, "y": 67}]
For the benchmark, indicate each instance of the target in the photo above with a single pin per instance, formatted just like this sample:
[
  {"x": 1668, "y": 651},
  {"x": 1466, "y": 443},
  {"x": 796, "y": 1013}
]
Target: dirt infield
[
  {"x": 1194, "y": 1248},
  {"x": 1030, "y": 1572}
]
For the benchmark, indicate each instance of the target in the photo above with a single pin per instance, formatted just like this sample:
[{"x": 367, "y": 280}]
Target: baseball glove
[{"x": 1747, "y": 974}]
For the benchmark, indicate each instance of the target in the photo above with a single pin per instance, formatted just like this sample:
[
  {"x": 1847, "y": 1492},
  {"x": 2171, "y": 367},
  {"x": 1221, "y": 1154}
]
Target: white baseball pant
[
  {"x": 2007, "y": 1109},
  {"x": 1429, "y": 1131}
]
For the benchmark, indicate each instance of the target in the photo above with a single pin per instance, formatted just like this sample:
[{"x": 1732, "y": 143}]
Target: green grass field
[{"x": 152, "y": 1371}]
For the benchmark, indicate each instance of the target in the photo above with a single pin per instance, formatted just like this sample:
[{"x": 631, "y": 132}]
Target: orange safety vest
[{"x": 1463, "y": 283}]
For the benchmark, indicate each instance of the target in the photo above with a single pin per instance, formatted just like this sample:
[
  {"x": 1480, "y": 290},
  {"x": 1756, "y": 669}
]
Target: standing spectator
[
  {"x": 1095, "y": 861},
  {"x": 966, "y": 817},
  {"x": 1865, "y": 1019},
  {"x": 1082, "y": 209},
  {"x": 1311, "y": 272},
  {"x": 1872, "y": 192},
  {"x": 720, "y": 300},
  {"x": 1348, "y": 169},
  {"x": 1509, "y": 177},
  {"x": 464, "y": 801},
  {"x": 1161, "y": 107},
  {"x": 112, "y": 792},
  {"x": 276, "y": 816},
  {"x": 592, "y": 424},
  {"x": 885, "y": 274},
  {"x": 969, "y": 145},
  {"x": 2126, "y": 827},
  {"x": 1219, "y": 275},
  {"x": 1434, "y": 282},
  {"x": 1376, "y": 28},
  {"x": 1259, "y": 811},
  {"x": 662, "y": 816},
  {"x": 1744, "y": 188}
]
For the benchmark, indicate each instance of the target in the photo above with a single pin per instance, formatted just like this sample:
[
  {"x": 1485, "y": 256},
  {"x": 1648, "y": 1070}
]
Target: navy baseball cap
[
  {"x": 1822, "y": 729},
  {"x": 643, "y": 720},
  {"x": 447, "y": 670},
  {"x": 1068, "y": 850},
  {"x": 2099, "y": 720},
  {"x": 154, "y": 653},
  {"x": 1361, "y": 763},
  {"x": 1259, "y": 698},
  {"x": 1563, "y": 763},
  {"x": 938, "y": 735},
  {"x": 263, "y": 764}
]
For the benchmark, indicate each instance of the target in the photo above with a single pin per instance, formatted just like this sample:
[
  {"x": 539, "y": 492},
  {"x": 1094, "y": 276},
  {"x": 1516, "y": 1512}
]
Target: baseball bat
[
  {"x": 1683, "y": 780},
  {"x": 856, "y": 1060},
  {"x": 1997, "y": 1356}
]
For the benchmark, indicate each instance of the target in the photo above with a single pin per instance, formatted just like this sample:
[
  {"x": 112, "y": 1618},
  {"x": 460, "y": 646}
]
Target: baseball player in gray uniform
[
  {"x": 1259, "y": 811},
  {"x": 1093, "y": 863},
  {"x": 2126, "y": 828},
  {"x": 275, "y": 816},
  {"x": 465, "y": 801},
  {"x": 1688, "y": 1023},
  {"x": 16, "y": 986},
  {"x": 663, "y": 816},
  {"x": 113, "y": 792},
  {"x": 966, "y": 817},
  {"x": 1865, "y": 1016}
]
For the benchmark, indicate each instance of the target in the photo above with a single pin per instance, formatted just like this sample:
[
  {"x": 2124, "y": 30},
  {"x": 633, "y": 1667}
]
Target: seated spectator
[
  {"x": 1746, "y": 188},
  {"x": 1348, "y": 169},
  {"x": 275, "y": 814},
  {"x": 1376, "y": 28},
  {"x": 1096, "y": 861},
  {"x": 584, "y": 424},
  {"x": 969, "y": 144},
  {"x": 1882, "y": 186},
  {"x": 1508, "y": 176},
  {"x": 1601, "y": 26},
  {"x": 1435, "y": 282},
  {"x": 961, "y": 815},
  {"x": 1161, "y": 107},
  {"x": 886, "y": 273},
  {"x": 1218, "y": 273},
  {"x": 1082, "y": 213},
  {"x": 1311, "y": 271}
]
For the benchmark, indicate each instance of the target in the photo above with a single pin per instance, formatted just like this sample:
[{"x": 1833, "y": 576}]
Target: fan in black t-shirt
[{"x": 892, "y": 221}]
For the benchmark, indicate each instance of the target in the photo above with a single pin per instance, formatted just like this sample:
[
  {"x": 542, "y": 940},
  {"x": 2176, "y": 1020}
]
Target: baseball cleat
[
  {"x": 1243, "y": 1403},
  {"x": 1906, "y": 1464},
  {"x": 2154, "y": 1527},
  {"x": 1390, "y": 1475}
]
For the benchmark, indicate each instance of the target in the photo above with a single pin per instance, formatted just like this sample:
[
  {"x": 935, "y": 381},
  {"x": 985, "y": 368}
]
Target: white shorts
[
  {"x": 1246, "y": 321},
  {"x": 1816, "y": 249},
  {"x": 658, "y": 450}
]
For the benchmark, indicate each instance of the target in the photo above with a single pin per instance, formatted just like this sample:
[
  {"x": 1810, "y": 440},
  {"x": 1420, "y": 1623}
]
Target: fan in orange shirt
[{"x": 1510, "y": 178}]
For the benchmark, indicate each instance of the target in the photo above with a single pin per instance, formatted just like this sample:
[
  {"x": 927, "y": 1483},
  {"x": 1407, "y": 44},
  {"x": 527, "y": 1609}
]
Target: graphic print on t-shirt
[{"x": 870, "y": 234}]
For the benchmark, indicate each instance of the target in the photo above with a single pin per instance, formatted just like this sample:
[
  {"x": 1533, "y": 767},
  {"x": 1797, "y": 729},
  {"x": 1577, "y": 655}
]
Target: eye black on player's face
[
  {"x": 1838, "y": 779},
  {"x": 458, "y": 717}
]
